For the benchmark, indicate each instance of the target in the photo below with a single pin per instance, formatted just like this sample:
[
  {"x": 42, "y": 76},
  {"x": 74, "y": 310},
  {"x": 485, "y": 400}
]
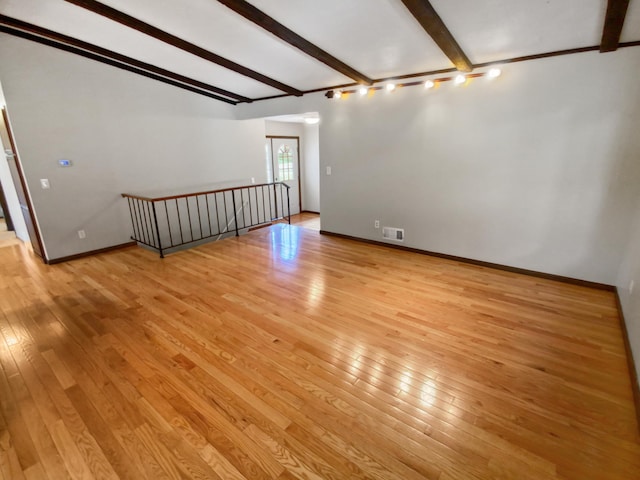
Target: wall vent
[{"x": 392, "y": 233}]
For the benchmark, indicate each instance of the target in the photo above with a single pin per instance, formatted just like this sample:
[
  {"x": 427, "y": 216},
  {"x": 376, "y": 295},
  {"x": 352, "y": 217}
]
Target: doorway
[
  {"x": 5, "y": 214},
  {"x": 284, "y": 153},
  {"x": 19, "y": 183}
]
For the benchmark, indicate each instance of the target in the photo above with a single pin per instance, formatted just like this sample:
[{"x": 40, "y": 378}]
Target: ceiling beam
[
  {"x": 505, "y": 61},
  {"x": 139, "y": 25},
  {"x": 268, "y": 23},
  {"x": 106, "y": 61},
  {"x": 613, "y": 22},
  {"x": 33, "y": 32},
  {"x": 435, "y": 27}
]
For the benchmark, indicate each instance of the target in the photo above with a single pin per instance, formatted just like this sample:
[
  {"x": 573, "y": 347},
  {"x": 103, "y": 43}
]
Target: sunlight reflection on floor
[{"x": 285, "y": 241}]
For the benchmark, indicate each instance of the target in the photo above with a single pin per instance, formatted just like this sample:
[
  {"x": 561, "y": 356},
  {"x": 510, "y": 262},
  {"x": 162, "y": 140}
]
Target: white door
[{"x": 285, "y": 167}]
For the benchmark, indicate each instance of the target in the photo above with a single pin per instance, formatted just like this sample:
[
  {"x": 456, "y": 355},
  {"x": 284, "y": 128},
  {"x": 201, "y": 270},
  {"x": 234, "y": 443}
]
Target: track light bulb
[
  {"x": 391, "y": 87},
  {"x": 429, "y": 84},
  {"x": 459, "y": 79},
  {"x": 494, "y": 72},
  {"x": 363, "y": 91}
]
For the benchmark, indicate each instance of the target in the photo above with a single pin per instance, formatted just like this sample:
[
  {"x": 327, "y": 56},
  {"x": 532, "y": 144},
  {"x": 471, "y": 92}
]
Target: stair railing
[{"x": 169, "y": 223}]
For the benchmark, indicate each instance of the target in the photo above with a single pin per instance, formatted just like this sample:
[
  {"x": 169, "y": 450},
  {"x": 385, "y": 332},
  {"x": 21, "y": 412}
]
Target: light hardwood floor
[
  {"x": 307, "y": 220},
  {"x": 288, "y": 354},
  {"x": 7, "y": 238}
]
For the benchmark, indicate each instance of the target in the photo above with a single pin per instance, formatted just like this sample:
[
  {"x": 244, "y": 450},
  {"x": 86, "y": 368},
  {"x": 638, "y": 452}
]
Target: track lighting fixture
[{"x": 427, "y": 84}]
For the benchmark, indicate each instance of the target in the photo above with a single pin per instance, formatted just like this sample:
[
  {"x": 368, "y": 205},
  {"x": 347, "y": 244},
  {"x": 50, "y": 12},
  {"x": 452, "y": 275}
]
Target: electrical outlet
[
  {"x": 328, "y": 170},
  {"x": 81, "y": 234},
  {"x": 631, "y": 285},
  {"x": 376, "y": 224},
  {"x": 253, "y": 180},
  {"x": 44, "y": 183}
]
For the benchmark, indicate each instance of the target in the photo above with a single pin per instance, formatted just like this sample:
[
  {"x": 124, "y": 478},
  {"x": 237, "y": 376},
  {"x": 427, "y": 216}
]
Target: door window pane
[{"x": 285, "y": 163}]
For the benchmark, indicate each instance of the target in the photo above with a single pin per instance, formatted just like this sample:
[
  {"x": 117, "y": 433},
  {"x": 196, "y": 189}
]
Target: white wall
[
  {"x": 537, "y": 169},
  {"x": 284, "y": 129},
  {"x": 630, "y": 300},
  {"x": 123, "y": 133},
  {"x": 311, "y": 173},
  {"x": 309, "y": 158}
]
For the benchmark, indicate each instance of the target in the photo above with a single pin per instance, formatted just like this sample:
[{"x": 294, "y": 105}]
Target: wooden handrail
[{"x": 207, "y": 192}]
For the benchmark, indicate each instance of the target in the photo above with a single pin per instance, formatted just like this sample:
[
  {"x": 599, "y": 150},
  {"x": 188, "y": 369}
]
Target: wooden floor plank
[{"x": 287, "y": 354}]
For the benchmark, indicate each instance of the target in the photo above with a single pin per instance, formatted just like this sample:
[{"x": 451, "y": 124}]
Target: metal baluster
[
  {"x": 244, "y": 220},
  {"x": 199, "y": 219},
  {"x": 179, "y": 222},
  {"x": 132, "y": 222},
  {"x": 138, "y": 219},
  {"x": 270, "y": 207},
  {"x": 189, "y": 216},
  {"x": 206, "y": 198},
  {"x": 215, "y": 197},
  {"x": 275, "y": 199},
  {"x": 166, "y": 210},
  {"x": 152, "y": 237},
  {"x": 155, "y": 219},
  {"x": 226, "y": 214},
  {"x": 145, "y": 230},
  {"x": 136, "y": 209},
  {"x": 250, "y": 211},
  {"x": 264, "y": 206},
  {"x": 235, "y": 211},
  {"x": 288, "y": 206}
]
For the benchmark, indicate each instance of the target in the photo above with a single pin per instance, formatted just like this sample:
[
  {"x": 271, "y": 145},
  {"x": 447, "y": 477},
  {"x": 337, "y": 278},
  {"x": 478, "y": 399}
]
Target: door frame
[
  {"x": 5, "y": 210},
  {"x": 297, "y": 139},
  {"x": 23, "y": 183}
]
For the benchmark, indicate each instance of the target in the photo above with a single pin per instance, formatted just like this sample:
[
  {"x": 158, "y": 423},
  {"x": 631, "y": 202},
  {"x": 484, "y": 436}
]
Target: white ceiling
[
  {"x": 631, "y": 28},
  {"x": 294, "y": 118},
  {"x": 513, "y": 28},
  {"x": 379, "y": 38}
]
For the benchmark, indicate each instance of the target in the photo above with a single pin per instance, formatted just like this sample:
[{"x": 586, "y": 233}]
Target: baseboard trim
[
  {"x": 497, "y": 266},
  {"x": 310, "y": 211},
  {"x": 53, "y": 261},
  {"x": 635, "y": 387}
]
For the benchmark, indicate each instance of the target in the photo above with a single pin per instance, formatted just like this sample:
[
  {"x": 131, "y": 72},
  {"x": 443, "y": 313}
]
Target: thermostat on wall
[{"x": 64, "y": 163}]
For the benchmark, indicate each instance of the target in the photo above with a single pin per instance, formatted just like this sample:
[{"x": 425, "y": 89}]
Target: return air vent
[{"x": 391, "y": 233}]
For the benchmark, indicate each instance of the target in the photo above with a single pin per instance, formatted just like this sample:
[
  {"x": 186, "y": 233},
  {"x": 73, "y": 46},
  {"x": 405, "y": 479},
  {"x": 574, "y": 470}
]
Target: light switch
[
  {"x": 44, "y": 183},
  {"x": 328, "y": 170}
]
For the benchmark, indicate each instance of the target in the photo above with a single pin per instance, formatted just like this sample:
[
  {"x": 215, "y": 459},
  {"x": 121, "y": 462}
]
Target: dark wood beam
[
  {"x": 613, "y": 22},
  {"x": 5, "y": 26},
  {"x": 435, "y": 27},
  {"x": 64, "y": 39},
  {"x": 263, "y": 20},
  {"x": 139, "y": 25}
]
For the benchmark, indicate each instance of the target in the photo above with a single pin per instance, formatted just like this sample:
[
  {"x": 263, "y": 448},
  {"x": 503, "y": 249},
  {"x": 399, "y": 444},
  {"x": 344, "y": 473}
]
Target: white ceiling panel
[
  {"x": 65, "y": 18},
  {"x": 631, "y": 28},
  {"x": 213, "y": 26},
  {"x": 379, "y": 38},
  {"x": 489, "y": 30}
]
